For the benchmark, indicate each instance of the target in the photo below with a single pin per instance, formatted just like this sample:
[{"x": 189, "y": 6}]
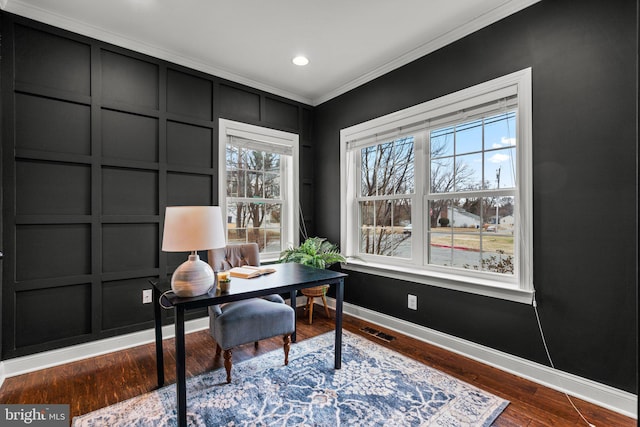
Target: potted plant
[
  {"x": 315, "y": 252},
  {"x": 319, "y": 253}
]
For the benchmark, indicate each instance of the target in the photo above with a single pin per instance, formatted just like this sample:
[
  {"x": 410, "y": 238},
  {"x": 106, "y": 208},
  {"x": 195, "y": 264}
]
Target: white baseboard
[
  {"x": 602, "y": 395},
  {"x": 34, "y": 362},
  {"x": 599, "y": 394},
  {"x": 47, "y": 359}
]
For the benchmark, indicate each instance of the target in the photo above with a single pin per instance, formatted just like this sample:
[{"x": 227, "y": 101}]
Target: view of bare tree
[
  {"x": 252, "y": 175},
  {"x": 446, "y": 175},
  {"x": 387, "y": 176}
]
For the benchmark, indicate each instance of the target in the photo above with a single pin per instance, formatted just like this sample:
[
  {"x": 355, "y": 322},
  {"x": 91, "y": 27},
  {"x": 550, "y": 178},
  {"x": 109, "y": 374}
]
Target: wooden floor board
[{"x": 94, "y": 383}]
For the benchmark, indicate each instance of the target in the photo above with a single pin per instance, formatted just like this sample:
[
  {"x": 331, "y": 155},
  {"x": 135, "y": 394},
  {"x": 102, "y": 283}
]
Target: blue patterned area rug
[{"x": 375, "y": 387}]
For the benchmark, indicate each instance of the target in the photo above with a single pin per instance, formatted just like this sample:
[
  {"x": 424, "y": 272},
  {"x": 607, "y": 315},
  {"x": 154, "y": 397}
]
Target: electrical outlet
[
  {"x": 147, "y": 296},
  {"x": 412, "y": 302}
]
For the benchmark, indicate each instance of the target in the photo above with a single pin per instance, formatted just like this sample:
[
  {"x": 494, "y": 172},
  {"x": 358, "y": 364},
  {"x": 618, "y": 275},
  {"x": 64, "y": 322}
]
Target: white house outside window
[
  {"x": 440, "y": 193},
  {"x": 258, "y": 189}
]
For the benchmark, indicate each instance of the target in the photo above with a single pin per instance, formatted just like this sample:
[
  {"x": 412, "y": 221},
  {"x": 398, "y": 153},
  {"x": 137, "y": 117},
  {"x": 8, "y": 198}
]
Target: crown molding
[
  {"x": 22, "y": 8},
  {"x": 498, "y": 13},
  {"x": 26, "y": 10}
]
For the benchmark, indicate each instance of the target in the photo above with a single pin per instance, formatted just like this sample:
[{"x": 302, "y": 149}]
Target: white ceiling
[{"x": 348, "y": 42}]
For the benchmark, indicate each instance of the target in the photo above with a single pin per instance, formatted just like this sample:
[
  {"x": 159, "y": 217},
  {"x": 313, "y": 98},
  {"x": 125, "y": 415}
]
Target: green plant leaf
[{"x": 315, "y": 252}]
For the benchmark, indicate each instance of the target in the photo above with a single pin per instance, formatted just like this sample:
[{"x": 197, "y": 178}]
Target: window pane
[
  {"x": 233, "y": 184},
  {"x": 469, "y": 137},
  {"x": 403, "y": 178},
  {"x": 242, "y": 158},
  {"x": 388, "y": 168},
  {"x": 498, "y": 242},
  {"x": 254, "y": 184},
  {"x": 272, "y": 163},
  {"x": 500, "y": 131},
  {"x": 368, "y": 161},
  {"x": 468, "y": 172},
  {"x": 386, "y": 227},
  {"x": 232, "y": 157},
  {"x": 455, "y": 234},
  {"x": 384, "y": 169},
  {"x": 497, "y": 262},
  {"x": 238, "y": 235},
  {"x": 272, "y": 227},
  {"x": 400, "y": 244},
  {"x": 236, "y": 216},
  {"x": 236, "y": 223},
  {"x": 460, "y": 218},
  {"x": 484, "y": 155},
  {"x": 401, "y": 212},
  {"x": 498, "y": 210},
  {"x": 466, "y": 249},
  {"x": 441, "y": 143},
  {"x": 439, "y": 213},
  {"x": 273, "y": 240},
  {"x": 367, "y": 227},
  {"x": 393, "y": 242},
  {"x": 503, "y": 162},
  {"x": 440, "y": 239},
  {"x": 255, "y": 222},
  {"x": 271, "y": 186},
  {"x": 442, "y": 175},
  {"x": 254, "y": 160},
  {"x": 389, "y": 232},
  {"x": 439, "y": 250}
]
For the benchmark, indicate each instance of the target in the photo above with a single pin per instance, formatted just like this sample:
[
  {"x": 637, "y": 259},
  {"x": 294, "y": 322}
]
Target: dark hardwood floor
[{"x": 104, "y": 380}]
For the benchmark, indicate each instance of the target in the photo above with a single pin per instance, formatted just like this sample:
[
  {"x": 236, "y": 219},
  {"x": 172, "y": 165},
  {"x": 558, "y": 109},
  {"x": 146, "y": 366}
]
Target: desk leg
[
  {"x": 292, "y": 296},
  {"x": 157, "y": 317},
  {"x": 338, "y": 344},
  {"x": 181, "y": 376}
]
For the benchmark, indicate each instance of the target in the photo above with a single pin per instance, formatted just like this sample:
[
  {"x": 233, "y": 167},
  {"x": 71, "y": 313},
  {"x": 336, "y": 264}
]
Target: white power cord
[
  {"x": 546, "y": 349},
  {"x": 162, "y": 296}
]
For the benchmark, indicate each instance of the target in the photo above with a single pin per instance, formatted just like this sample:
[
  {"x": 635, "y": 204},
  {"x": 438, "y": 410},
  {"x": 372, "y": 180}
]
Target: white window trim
[
  {"x": 415, "y": 117},
  {"x": 290, "y": 217}
]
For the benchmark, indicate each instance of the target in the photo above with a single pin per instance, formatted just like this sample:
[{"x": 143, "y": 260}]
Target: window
[
  {"x": 387, "y": 190},
  {"x": 258, "y": 186},
  {"x": 440, "y": 193}
]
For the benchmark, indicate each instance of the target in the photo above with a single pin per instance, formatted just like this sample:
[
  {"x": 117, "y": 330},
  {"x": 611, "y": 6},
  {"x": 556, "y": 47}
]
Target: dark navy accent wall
[
  {"x": 584, "y": 69},
  {"x": 96, "y": 141}
]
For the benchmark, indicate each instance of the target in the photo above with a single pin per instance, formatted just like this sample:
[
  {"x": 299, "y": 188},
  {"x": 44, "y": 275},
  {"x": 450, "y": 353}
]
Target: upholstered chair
[{"x": 251, "y": 320}]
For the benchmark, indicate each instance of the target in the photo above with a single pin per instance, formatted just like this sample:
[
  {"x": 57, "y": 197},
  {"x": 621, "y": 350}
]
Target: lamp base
[{"x": 192, "y": 278}]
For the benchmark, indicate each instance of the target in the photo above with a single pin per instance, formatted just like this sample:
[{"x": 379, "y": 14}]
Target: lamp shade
[{"x": 193, "y": 228}]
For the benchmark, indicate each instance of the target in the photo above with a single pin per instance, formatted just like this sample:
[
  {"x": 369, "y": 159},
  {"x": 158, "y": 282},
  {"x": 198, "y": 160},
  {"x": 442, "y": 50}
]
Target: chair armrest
[{"x": 274, "y": 298}]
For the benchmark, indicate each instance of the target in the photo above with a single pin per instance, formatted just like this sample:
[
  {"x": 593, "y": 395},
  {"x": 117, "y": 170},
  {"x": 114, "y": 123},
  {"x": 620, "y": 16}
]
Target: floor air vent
[{"x": 378, "y": 334}]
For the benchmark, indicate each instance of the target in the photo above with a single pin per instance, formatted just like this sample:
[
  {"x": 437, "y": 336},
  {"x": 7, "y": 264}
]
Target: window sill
[{"x": 477, "y": 286}]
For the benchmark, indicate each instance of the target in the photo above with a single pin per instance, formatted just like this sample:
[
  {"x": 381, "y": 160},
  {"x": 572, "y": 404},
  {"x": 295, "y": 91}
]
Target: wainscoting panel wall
[{"x": 96, "y": 142}]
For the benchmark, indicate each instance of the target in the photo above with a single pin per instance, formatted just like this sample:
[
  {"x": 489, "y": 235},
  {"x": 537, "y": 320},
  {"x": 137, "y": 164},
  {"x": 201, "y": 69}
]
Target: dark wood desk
[{"x": 289, "y": 277}]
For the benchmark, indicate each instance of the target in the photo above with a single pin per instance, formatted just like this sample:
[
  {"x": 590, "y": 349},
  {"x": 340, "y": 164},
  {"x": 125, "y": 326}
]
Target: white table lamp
[{"x": 192, "y": 229}]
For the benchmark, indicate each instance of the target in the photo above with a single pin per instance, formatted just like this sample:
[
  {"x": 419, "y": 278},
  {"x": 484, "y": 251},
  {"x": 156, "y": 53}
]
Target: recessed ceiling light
[{"x": 300, "y": 60}]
